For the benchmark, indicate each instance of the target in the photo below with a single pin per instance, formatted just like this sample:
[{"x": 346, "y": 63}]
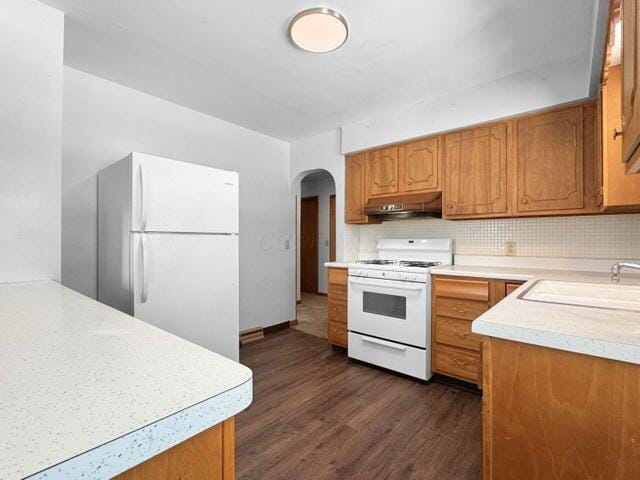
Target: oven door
[{"x": 389, "y": 309}]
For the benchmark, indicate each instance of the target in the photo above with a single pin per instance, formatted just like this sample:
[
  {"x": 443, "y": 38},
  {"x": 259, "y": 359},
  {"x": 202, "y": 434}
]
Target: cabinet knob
[
  {"x": 524, "y": 200},
  {"x": 617, "y": 133},
  {"x": 409, "y": 182}
]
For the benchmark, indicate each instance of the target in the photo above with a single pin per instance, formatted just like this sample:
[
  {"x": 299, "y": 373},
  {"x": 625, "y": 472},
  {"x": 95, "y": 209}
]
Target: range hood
[{"x": 405, "y": 206}]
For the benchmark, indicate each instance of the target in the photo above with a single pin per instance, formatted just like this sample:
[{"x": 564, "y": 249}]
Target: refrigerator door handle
[
  {"x": 143, "y": 200},
  {"x": 144, "y": 288}
]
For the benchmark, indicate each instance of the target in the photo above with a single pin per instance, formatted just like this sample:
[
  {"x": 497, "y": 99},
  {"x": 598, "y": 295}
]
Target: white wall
[
  {"x": 31, "y": 45},
  {"x": 322, "y": 187},
  {"x": 548, "y": 85},
  {"x": 104, "y": 121}
]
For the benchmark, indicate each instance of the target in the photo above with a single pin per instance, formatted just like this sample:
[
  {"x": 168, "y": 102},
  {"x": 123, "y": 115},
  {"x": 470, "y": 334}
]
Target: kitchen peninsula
[
  {"x": 89, "y": 392},
  {"x": 561, "y": 381}
]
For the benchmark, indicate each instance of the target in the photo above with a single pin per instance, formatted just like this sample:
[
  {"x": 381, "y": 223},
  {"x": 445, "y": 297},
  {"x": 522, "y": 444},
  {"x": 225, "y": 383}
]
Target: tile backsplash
[{"x": 597, "y": 236}]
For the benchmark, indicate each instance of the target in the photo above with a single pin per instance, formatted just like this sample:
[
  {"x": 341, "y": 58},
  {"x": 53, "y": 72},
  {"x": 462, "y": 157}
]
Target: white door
[
  {"x": 389, "y": 309},
  {"x": 172, "y": 196},
  {"x": 187, "y": 284}
]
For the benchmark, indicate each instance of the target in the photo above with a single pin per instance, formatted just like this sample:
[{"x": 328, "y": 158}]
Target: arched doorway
[{"x": 316, "y": 245}]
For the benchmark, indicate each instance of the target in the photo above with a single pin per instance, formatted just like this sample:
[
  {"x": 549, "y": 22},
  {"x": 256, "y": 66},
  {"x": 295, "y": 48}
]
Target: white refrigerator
[{"x": 168, "y": 247}]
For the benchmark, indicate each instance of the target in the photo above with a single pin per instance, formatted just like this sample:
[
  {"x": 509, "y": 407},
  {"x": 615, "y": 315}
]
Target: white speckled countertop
[
  {"x": 607, "y": 333},
  {"x": 337, "y": 264},
  {"x": 88, "y": 392}
]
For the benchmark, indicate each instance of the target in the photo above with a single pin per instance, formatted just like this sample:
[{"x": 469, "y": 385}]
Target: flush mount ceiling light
[{"x": 318, "y": 30}]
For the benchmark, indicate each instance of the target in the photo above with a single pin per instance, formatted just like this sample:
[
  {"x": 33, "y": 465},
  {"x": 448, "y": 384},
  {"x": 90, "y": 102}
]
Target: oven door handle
[
  {"x": 384, "y": 343},
  {"x": 387, "y": 284}
]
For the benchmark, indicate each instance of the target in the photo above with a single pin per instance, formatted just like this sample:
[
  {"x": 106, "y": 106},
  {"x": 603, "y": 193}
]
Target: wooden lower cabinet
[
  {"x": 550, "y": 414},
  {"x": 455, "y": 303},
  {"x": 209, "y": 454},
  {"x": 337, "y": 306}
]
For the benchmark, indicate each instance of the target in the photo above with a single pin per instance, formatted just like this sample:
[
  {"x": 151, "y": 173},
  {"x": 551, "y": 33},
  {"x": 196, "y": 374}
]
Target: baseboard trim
[
  {"x": 276, "y": 327},
  {"x": 294, "y": 323},
  {"x": 251, "y": 335},
  {"x": 258, "y": 333},
  {"x": 322, "y": 294},
  {"x": 298, "y": 302}
]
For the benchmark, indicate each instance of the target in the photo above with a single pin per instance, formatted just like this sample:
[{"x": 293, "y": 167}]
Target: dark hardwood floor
[{"x": 318, "y": 415}]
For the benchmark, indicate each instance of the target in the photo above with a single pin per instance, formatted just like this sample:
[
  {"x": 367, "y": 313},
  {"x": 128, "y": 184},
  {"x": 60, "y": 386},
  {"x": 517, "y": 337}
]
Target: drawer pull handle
[
  {"x": 461, "y": 335},
  {"x": 616, "y": 133},
  {"x": 460, "y": 363},
  {"x": 384, "y": 343},
  {"x": 460, "y": 310}
]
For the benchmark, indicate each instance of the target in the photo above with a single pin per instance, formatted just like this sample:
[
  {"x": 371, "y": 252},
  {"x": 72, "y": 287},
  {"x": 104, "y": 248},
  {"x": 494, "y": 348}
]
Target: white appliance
[
  {"x": 168, "y": 247},
  {"x": 390, "y": 305}
]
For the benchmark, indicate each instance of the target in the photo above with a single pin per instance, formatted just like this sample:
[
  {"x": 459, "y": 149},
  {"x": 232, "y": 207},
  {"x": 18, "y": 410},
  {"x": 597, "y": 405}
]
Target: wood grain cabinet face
[
  {"x": 630, "y": 79},
  {"x": 475, "y": 172},
  {"x": 551, "y": 414},
  {"x": 383, "y": 171},
  {"x": 420, "y": 166},
  {"x": 354, "y": 188},
  {"x": 550, "y": 162},
  {"x": 621, "y": 193},
  {"x": 337, "y": 307}
]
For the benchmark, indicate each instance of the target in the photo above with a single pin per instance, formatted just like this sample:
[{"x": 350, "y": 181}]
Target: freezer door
[
  {"x": 172, "y": 196},
  {"x": 187, "y": 284}
]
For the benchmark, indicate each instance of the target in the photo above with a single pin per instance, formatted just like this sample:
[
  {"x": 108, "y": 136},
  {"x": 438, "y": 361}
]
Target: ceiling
[{"x": 231, "y": 59}]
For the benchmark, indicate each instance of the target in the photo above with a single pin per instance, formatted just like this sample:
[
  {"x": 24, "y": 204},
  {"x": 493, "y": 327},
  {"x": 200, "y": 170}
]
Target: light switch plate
[{"x": 511, "y": 248}]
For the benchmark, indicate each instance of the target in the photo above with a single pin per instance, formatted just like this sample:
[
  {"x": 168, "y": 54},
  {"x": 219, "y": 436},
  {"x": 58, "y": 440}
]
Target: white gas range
[{"x": 390, "y": 304}]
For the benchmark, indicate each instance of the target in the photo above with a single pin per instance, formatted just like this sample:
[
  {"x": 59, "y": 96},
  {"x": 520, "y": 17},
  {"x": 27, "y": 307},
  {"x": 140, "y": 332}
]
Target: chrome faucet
[{"x": 616, "y": 268}]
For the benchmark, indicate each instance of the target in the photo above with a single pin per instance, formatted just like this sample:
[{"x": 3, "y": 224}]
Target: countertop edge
[
  {"x": 336, "y": 264},
  {"x": 523, "y": 277},
  {"x": 127, "y": 451},
  {"x": 560, "y": 341}
]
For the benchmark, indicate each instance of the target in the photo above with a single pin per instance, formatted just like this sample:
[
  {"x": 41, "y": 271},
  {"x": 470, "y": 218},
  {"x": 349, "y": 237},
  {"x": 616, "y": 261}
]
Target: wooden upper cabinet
[
  {"x": 383, "y": 171},
  {"x": 557, "y": 162},
  {"x": 621, "y": 192},
  {"x": 354, "y": 188},
  {"x": 475, "y": 172},
  {"x": 550, "y": 162},
  {"x": 630, "y": 79},
  {"x": 420, "y": 166}
]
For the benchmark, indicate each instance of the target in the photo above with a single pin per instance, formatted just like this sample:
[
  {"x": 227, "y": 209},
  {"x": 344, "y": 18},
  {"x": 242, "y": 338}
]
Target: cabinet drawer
[
  {"x": 457, "y": 362},
  {"x": 462, "y": 309},
  {"x": 399, "y": 358},
  {"x": 337, "y": 292},
  {"x": 337, "y": 310},
  {"x": 338, "y": 276},
  {"x": 457, "y": 333},
  {"x": 337, "y": 333},
  {"x": 459, "y": 288}
]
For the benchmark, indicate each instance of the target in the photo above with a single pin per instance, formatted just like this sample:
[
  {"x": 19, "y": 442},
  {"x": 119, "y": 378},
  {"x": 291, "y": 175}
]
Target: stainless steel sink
[{"x": 595, "y": 295}]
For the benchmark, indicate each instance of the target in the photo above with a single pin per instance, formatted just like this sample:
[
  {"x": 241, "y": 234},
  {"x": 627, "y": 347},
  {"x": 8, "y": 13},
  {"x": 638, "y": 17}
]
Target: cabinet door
[
  {"x": 630, "y": 78},
  {"x": 382, "y": 171},
  {"x": 621, "y": 192},
  {"x": 550, "y": 162},
  {"x": 475, "y": 172},
  {"x": 354, "y": 189},
  {"x": 419, "y": 166}
]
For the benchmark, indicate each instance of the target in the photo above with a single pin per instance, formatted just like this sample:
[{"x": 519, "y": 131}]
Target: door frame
[
  {"x": 332, "y": 228},
  {"x": 315, "y": 199}
]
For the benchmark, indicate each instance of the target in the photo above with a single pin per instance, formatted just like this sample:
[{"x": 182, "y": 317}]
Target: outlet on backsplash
[{"x": 511, "y": 248}]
